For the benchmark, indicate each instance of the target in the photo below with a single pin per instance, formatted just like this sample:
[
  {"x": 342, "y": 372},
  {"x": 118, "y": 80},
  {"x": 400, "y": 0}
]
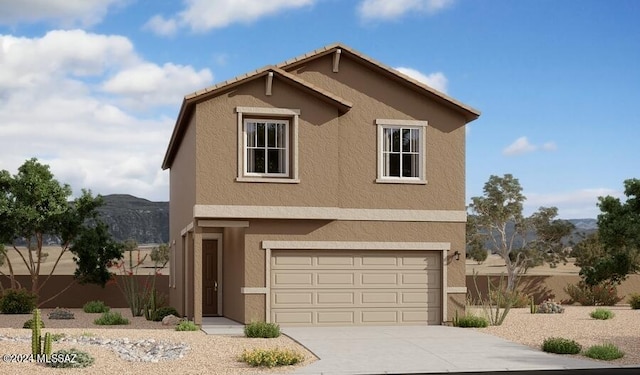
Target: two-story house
[{"x": 326, "y": 190}]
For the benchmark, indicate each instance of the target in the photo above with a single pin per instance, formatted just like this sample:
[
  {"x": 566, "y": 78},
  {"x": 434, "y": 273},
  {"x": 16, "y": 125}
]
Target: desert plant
[
  {"x": 17, "y": 301},
  {"x": 559, "y": 345},
  {"x": 533, "y": 308},
  {"x": 164, "y": 311},
  {"x": 550, "y": 307},
  {"x": 471, "y": 321},
  {"x": 72, "y": 358},
  {"x": 603, "y": 294},
  {"x": 491, "y": 304},
  {"x": 39, "y": 345},
  {"x": 602, "y": 314},
  {"x": 56, "y": 336},
  {"x": 186, "y": 325},
  {"x": 29, "y": 324},
  {"x": 110, "y": 318},
  {"x": 605, "y": 352},
  {"x": 95, "y": 307},
  {"x": 515, "y": 298},
  {"x": 271, "y": 357},
  {"x": 61, "y": 314},
  {"x": 262, "y": 329},
  {"x": 634, "y": 301}
]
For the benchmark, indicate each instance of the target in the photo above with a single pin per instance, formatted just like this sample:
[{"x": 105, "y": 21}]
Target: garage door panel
[
  {"x": 359, "y": 288},
  {"x": 285, "y": 279}
]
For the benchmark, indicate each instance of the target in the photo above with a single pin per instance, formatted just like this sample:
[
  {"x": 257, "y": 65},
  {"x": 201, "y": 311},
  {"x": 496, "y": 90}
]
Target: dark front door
[{"x": 209, "y": 277}]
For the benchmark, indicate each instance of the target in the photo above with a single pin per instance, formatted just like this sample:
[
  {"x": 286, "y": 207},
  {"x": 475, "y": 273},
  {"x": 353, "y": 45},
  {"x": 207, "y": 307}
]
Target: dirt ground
[{"x": 494, "y": 265}]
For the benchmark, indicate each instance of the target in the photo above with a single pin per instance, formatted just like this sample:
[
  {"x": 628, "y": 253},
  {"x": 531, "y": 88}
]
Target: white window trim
[
  {"x": 287, "y": 148},
  {"x": 289, "y": 114},
  {"x": 418, "y": 124}
]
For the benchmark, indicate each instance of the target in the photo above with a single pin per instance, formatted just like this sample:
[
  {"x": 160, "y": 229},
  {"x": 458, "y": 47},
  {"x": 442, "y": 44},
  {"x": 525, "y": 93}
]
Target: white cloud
[
  {"x": 61, "y": 12},
  {"x": 204, "y": 15},
  {"x": 435, "y": 80},
  {"x": 576, "y": 204},
  {"x": 522, "y": 146},
  {"x": 76, "y": 110},
  {"x": 161, "y": 26},
  {"x": 389, "y": 10},
  {"x": 150, "y": 84}
]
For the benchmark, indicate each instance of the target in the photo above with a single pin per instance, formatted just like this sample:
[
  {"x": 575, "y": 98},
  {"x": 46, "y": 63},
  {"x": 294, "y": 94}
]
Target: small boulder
[{"x": 170, "y": 320}]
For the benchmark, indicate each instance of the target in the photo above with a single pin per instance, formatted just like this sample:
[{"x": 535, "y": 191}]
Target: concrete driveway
[{"x": 421, "y": 349}]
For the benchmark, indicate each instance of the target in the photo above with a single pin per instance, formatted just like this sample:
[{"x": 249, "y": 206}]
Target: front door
[{"x": 209, "y": 277}]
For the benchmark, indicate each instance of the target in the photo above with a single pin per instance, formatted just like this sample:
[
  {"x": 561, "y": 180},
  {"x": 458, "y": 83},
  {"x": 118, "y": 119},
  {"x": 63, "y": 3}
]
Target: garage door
[{"x": 355, "y": 287}]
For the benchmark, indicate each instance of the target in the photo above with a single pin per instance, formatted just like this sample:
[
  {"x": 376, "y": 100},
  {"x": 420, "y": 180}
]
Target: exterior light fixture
[{"x": 457, "y": 255}]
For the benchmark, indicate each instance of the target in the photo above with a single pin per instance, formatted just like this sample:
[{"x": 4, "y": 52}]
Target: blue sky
[{"x": 92, "y": 87}]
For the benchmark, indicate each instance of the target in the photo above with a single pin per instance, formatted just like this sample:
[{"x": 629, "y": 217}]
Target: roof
[
  {"x": 282, "y": 71},
  {"x": 468, "y": 112}
]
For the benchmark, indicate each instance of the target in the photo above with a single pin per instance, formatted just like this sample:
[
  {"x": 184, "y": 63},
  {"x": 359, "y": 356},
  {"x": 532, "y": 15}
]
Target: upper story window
[
  {"x": 401, "y": 151},
  {"x": 267, "y": 144},
  {"x": 267, "y": 147}
]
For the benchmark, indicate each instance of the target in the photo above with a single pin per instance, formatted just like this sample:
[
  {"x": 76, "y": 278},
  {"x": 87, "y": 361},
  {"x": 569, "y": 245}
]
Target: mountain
[{"x": 129, "y": 217}]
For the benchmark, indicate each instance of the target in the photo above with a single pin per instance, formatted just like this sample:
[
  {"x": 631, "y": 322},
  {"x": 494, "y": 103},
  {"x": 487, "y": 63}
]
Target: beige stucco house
[{"x": 326, "y": 190}]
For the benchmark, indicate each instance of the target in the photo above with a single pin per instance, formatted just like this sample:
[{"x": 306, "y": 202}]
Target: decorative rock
[
  {"x": 148, "y": 350},
  {"x": 170, "y": 320}
]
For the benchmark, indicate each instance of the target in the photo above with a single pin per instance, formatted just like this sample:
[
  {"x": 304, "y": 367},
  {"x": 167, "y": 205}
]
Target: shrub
[
  {"x": 271, "y": 357},
  {"x": 471, "y": 321},
  {"x": 61, "y": 314},
  {"x": 515, "y": 298},
  {"x": 186, "y": 325},
  {"x": 18, "y": 301},
  {"x": 559, "y": 345},
  {"x": 72, "y": 358},
  {"x": 550, "y": 307},
  {"x": 602, "y": 314},
  {"x": 164, "y": 311},
  {"x": 605, "y": 352},
  {"x": 262, "y": 329},
  {"x": 29, "y": 324},
  {"x": 95, "y": 307},
  {"x": 111, "y": 319},
  {"x": 634, "y": 301},
  {"x": 57, "y": 336},
  {"x": 603, "y": 294}
]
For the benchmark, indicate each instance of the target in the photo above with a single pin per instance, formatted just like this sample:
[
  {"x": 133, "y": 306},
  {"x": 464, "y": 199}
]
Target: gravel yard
[
  {"x": 207, "y": 353},
  {"x": 575, "y": 323},
  {"x": 218, "y": 354}
]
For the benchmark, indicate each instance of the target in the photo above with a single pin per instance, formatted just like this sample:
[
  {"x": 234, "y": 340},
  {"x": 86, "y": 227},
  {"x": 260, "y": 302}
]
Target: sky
[{"x": 92, "y": 88}]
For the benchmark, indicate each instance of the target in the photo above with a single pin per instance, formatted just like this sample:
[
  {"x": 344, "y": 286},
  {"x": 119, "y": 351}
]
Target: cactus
[
  {"x": 37, "y": 345},
  {"x": 533, "y": 308},
  {"x": 47, "y": 344},
  {"x": 35, "y": 332}
]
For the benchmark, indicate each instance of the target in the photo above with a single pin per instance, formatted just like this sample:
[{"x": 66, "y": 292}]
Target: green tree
[
  {"x": 619, "y": 233},
  {"x": 33, "y": 204},
  {"x": 511, "y": 235},
  {"x": 475, "y": 248},
  {"x": 160, "y": 255}
]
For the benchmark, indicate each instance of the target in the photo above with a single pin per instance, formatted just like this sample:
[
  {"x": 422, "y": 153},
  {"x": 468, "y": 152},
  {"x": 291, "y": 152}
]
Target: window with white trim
[
  {"x": 267, "y": 144},
  {"x": 401, "y": 151}
]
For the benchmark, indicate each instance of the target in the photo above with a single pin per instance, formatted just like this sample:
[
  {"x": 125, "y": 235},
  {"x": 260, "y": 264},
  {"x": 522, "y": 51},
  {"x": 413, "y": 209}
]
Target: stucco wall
[{"x": 182, "y": 199}]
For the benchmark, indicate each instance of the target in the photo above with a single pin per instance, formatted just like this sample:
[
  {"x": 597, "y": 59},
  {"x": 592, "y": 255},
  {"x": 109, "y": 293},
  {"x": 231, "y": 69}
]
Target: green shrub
[
  {"x": 72, "y": 358},
  {"x": 559, "y": 345},
  {"x": 61, "y": 314},
  {"x": 262, "y": 329},
  {"x": 29, "y": 324},
  {"x": 18, "y": 301},
  {"x": 503, "y": 298},
  {"x": 57, "y": 336},
  {"x": 110, "y": 318},
  {"x": 602, "y": 314},
  {"x": 605, "y": 352},
  {"x": 634, "y": 301},
  {"x": 603, "y": 294},
  {"x": 271, "y": 357},
  {"x": 186, "y": 325},
  {"x": 95, "y": 307},
  {"x": 471, "y": 321},
  {"x": 164, "y": 311}
]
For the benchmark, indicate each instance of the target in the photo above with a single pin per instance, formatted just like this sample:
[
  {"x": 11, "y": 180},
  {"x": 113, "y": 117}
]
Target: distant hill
[{"x": 129, "y": 217}]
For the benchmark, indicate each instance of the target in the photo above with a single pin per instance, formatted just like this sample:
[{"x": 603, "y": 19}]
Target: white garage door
[{"x": 322, "y": 287}]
